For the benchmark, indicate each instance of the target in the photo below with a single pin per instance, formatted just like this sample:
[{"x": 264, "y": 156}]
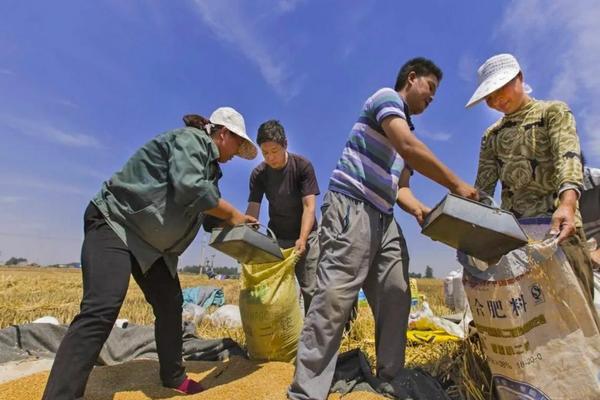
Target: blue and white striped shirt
[{"x": 369, "y": 168}]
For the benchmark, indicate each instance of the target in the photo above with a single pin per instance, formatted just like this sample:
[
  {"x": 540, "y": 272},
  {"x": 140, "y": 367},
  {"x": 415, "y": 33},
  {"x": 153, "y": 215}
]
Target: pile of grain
[
  {"x": 30, "y": 293},
  {"x": 136, "y": 380}
]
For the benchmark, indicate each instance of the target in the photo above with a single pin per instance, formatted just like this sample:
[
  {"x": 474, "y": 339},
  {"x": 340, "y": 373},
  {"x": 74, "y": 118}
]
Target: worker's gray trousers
[
  {"x": 306, "y": 267},
  {"x": 360, "y": 247}
]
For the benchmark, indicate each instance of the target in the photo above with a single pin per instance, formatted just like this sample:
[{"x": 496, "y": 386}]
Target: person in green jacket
[{"x": 142, "y": 219}]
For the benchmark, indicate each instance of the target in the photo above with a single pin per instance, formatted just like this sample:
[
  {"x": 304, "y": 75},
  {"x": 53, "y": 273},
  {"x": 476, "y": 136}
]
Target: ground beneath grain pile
[{"x": 237, "y": 378}]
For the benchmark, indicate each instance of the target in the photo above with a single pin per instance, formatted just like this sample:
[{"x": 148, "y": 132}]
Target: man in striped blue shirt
[{"x": 361, "y": 243}]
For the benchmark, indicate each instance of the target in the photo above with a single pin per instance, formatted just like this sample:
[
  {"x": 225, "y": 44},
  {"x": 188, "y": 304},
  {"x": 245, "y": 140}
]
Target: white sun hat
[
  {"x": 496, "y": 72},
  {"x": 234, "y": 122}
]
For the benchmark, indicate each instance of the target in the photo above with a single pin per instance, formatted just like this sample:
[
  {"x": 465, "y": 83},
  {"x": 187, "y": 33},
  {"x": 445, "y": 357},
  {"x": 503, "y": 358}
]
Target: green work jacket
[{"x": 155, "y": 202}]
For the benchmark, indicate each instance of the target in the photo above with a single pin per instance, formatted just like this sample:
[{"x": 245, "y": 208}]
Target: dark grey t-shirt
[
  {"x": 589, "y": 203},
  {"x": 284, "y": 189}
]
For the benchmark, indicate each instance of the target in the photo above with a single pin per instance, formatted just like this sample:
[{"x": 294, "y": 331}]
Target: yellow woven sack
[
  {"x": 270, "y": 311},
  {"x": 415, "y": 304}
]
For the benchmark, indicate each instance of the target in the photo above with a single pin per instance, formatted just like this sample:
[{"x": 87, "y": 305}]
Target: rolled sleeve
[
  {"x": 487, "y": 171},
  {"x": 194, "y": 172},
  {"x": 569, "y": 186},
  {"x": 565, "y": 148}
]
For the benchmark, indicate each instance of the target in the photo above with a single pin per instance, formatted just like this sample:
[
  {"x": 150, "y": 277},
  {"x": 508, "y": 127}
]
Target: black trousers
[{"x": 106, "y": 264}]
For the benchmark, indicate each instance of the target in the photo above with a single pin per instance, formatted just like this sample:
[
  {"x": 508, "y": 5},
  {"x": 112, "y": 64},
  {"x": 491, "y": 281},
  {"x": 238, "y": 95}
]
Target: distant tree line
[
  {"x": 418, "y": 275},
  {"x": 428, "y": 272},
  {"x": 228, "y": 271},
  {"x": 16, "y": 261}
]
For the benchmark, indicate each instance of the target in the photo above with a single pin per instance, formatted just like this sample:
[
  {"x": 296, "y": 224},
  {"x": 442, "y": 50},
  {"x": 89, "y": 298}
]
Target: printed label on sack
[{"x": 533, "y": 328}]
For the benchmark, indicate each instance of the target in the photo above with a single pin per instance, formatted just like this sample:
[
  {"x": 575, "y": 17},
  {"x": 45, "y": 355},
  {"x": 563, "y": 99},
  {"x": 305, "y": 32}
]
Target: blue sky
[{"x": 84, "y": 84}]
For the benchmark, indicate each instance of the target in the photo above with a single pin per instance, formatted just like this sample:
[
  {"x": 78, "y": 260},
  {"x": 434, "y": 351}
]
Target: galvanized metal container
[
  {"x": 481, "y": 231},
  {"x": 246, "y": 244}
]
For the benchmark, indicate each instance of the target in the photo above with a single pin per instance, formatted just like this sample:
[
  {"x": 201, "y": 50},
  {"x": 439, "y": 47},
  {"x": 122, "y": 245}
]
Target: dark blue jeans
[{"x": 106, "y": 264}]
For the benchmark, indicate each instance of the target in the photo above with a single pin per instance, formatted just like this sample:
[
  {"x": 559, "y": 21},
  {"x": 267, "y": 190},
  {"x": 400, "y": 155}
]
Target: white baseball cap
[
  {"x": 234, "y": 122},
  {"x": 496, "y": 72}
]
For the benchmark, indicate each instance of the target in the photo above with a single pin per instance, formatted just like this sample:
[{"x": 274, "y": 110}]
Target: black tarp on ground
[
  {"x": 353, "y": 373},
  {"x": 19, "y": 342}
]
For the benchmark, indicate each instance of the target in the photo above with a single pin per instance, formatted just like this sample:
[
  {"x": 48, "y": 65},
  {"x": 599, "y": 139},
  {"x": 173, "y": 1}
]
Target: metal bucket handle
[
  {"x": 258, "y": 224},
  {"x": 486, "y": 196}
]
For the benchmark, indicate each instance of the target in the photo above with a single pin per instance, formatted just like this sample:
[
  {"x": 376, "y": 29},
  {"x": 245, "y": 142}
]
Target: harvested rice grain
[{"x": 237, "y": 378}]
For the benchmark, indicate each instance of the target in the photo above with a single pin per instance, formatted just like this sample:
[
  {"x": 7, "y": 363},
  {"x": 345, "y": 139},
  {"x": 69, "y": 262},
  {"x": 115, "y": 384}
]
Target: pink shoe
[{"x": 189, "y": 386}]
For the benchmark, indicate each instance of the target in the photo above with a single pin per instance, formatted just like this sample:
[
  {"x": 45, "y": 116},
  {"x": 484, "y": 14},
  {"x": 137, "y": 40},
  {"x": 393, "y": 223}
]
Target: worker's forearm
[
  {"x": 569, "y": 198},
  {"x": 308, "y": 220},
  {"x": 418, "y": 155},
  {"x": 407, "y": 201},
  {"x": 253, "y": 209},
  {"x": 421, "y": 159},
  {"x": 224, "y": 210}
]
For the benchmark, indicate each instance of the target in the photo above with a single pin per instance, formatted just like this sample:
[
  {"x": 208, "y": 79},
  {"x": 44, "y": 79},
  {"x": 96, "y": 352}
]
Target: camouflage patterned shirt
[{"x": 535, "y": 154}]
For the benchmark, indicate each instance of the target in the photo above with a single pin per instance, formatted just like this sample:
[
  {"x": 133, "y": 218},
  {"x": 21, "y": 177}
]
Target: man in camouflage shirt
[{"x": 533, "y": 150}]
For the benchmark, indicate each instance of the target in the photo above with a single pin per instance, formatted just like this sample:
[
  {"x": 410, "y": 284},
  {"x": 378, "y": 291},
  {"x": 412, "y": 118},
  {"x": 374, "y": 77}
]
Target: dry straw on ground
[{"x": 30, "y": 293}]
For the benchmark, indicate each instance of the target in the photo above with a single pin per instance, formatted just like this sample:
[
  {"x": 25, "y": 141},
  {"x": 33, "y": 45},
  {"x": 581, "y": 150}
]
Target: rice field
[{"x": 28, "y": 293}]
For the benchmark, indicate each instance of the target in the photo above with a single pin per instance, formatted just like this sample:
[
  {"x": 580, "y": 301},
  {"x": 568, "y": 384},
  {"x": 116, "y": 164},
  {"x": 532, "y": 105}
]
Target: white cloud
[
  {"x": 10, "y": 199},
  {"x": 562, "y": 39},
  {"x": 352, "y": 18},
  {"x": 44, "y": 130},
  {"x": 467, "y": 68},
  {"x": 288, "y": 5},
  {"x": 4, "y": 71},
  {"x": 69, "y": 139},
  {"x": 67, "y": 103},
  {"x": 435, "y": 136},
  {"x": 233, "y": 24},
  {"x": 93, "y": 173},
  {"x": 8, "y": 180}
]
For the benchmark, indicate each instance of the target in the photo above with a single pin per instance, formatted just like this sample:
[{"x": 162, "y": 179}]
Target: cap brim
[
  {"x": 479, "y": 95},
  {"x": 489, "y": 86},
  {"x": 247, "y": 150}
]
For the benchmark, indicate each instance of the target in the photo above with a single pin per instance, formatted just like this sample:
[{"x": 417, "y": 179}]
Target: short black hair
[
  {"x": 421, "y": 66},
  {"x": 271, "y": 131}
]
